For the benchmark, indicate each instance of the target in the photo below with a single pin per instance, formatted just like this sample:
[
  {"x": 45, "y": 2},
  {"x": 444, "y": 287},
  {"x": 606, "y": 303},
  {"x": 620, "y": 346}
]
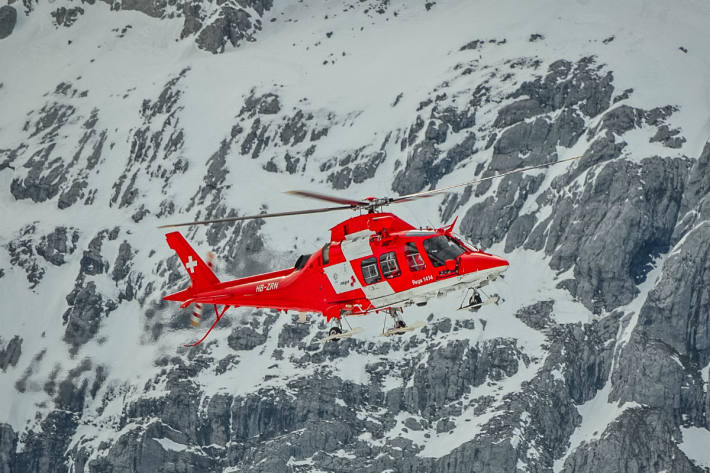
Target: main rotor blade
[
  {"x": 328, "y": 198},
  {"x": 252, "y": 217},
  {"x": 443, "y": 190}
]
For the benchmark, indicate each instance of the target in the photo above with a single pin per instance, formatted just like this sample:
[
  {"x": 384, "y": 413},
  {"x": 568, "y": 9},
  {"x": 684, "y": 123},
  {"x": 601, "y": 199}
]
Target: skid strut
[
  {"x": 336, "y": 329},
  {"x": 396, "y": 315},
  {"x": 219, "y": 316},
  {"x": 475, "y": 301}
]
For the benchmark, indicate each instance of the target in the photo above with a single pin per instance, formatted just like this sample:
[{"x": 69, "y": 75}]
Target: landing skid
[
  {"x": 400, "y": 330},
  {"x": 490, "y": 300},
  {"x": 475, "y": 301},
  {"x": 340, "y": 336}
]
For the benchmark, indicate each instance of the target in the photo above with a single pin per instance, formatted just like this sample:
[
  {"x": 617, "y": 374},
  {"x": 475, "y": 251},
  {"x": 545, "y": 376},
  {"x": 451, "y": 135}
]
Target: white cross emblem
[{"x": 190, "y": 265}]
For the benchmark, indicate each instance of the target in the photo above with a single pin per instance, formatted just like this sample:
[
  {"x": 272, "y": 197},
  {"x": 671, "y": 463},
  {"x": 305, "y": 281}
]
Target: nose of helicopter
[{"x": 472, "y": 262}]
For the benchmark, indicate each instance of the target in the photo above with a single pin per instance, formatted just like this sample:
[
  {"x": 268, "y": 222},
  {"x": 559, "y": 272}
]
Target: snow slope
[{"x": 362, "y": 76}]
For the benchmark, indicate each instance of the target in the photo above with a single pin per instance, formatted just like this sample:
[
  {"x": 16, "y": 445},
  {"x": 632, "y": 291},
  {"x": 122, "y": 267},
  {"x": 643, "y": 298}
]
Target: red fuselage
[{"x": 372, "y": 262}]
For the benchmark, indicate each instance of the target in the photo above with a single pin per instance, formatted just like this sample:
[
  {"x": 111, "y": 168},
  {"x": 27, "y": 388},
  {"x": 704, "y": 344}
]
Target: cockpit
[{"x": 441, "y": 248}]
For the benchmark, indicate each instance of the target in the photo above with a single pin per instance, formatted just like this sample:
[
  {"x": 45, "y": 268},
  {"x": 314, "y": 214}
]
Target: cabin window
[
  {"x": 370, "y": 271},
  {"x": 388, "y": 263},
  {"x": 325, "y": 256},
  {"x": 414, "y": 259},
  {"x": 440, "y": 248}
]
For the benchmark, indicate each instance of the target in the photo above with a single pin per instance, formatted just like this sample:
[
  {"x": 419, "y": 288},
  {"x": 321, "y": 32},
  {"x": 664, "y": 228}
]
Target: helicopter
[{"x": 374, "y": 262}]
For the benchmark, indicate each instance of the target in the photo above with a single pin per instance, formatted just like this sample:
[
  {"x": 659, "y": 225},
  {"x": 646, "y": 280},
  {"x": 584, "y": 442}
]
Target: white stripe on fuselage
[
  {"x": 342, "y": 277},
  {"x": 377, "y": 290},
  {"x": 432, "y": 289}
]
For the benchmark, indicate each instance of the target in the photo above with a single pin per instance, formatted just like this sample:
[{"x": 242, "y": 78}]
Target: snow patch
[{"x": 695, "y": 445}]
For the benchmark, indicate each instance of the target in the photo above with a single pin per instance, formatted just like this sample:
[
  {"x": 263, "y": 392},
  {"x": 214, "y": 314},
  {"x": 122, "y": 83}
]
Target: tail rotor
[{"x": 197, "y": 312}]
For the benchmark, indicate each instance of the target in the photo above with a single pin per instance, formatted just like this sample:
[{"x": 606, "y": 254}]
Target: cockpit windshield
[
  {"x": 441, "y": 248},
  {"x": 466, "y": 243}
]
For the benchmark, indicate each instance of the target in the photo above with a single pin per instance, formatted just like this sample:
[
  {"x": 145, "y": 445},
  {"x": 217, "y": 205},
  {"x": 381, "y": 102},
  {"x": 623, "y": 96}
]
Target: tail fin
[{"x": 200, "y": 274}]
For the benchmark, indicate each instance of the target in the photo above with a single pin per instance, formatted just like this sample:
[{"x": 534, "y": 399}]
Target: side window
[
  {"x": 370, "y": 271},
  {"x": 388, "y": 263},
  {"x": 414, "y": 259}
]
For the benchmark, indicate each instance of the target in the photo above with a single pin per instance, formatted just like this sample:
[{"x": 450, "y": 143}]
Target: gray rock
[
  {"x": 566, "y": 85},
  {"x": 44, "y": 177},
  {"x": 67, "y": 16},
  {"x": 633, "y": 218},
  {"x": 86, "y": 309},
  {"x": 219, "y": 418},
  {"x": 475, "y": 44},
  {"x": 293, "y": 334},
  {"x": 356, "y": 167},
  {"x": 669, "y": 138},
  {"x": 423, "y": 167},
  {"x": 519, "y": 231},
  {"x": 70, "y": 394},
  {"x": 698, "y": 185},
  {"x": 489, "y": 221},
  {"x": 156, "y": 145},
  {"x": 154, "y": 8},
  {"x": 10, "y": 354},
  {"x": 245, "y": 338},
  {"x": 233, "y": 25},
  {"x": 93, "y": 262},
  {"x": 45, "y": 450},
  {"x": 295, "y": 129},
  {"x": 517, "y": 111},
  {"x": 584, "y": 355},
  {"x": 266, "y": 104},
  {"x": 653, "y": 373},
  {"x": 193, "y": 17},
  {"x": 8, "y": 18},
  {"x": 537, "y": 316},
  {"x": 671, "y": 340},
  {"x": 450, "y": 372},
  {"x": 139, "y": 451},
  {"x": 22, "y": 254},
  {"x": 122, "y": 265},
  {"x": 640, "y": 440},
  {"x": 621, "y": 119},
  {"x": 415, "y": 175},
  {"x": 695, "y": 206},
  {"x": 8, "y": 447},
  {"x": 54, "y": 246}
]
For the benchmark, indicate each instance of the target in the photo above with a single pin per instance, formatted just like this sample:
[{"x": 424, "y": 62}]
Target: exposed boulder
[
  {"x": 8, "y": 18},
  {"x": 10, "y": 353},
  {"x": 86, "y": 309},
  {"x": 67, "y": 16},
  {"x": 8, "y": 447},
  {"x": 54, "y": 246},
  {"x": 233, "y": 25},
  {"x": 538, "y": 315},
  {"x": 22, "y": 253}
]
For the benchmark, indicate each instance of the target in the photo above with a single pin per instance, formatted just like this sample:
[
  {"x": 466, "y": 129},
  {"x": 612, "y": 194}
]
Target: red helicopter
[{"x": 373, "y": 262}]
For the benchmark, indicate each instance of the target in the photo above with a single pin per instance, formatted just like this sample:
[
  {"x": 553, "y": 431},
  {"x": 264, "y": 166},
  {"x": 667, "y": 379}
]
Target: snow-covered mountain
[{"x": 121, "y": 115}]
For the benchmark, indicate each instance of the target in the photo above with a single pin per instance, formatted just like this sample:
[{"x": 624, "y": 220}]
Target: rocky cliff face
[{"x": 597, "y": 359}]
